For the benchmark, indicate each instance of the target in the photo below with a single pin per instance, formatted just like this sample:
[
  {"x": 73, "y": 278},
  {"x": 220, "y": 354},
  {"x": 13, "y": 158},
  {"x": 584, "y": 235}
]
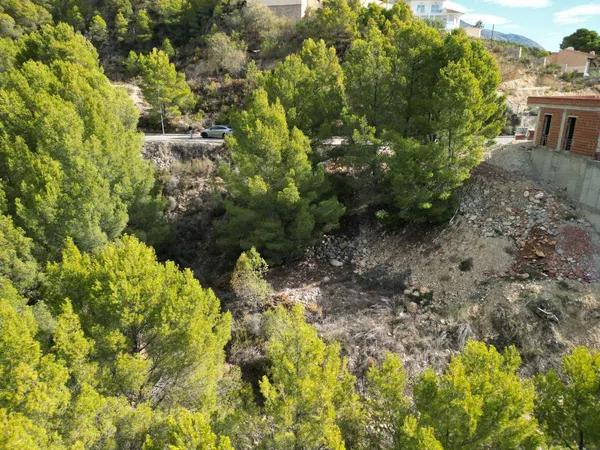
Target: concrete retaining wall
[{"x": 578, "y": 175}]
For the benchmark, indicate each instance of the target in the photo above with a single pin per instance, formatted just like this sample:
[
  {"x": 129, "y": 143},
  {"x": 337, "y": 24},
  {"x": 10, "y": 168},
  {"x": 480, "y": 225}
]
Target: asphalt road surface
[{"x": 180, "y": 137}]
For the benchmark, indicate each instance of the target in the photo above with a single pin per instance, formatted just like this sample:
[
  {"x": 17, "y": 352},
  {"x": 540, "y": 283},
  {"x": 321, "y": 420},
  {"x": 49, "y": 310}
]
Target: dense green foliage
[
  {"x": 277, "y": 202},
  {"x": 135, "y": 355},
  {"x": 22, "y": 16},
  {"x": 102, "y": 346},
  {"x": 310, "y": 87},
  {"x": 158, "y": 335},
  {"x": 429, "y": 98},
  {"x": 248, "y": 279},
  {"x": 90, "y": 387},
  {"x": 568, "y": 405},
  {"x": 336, "y": 22},
  {"x": 16, "y": 261},
  {"x": 433, "y": 101},
  {"x": 309, "y": 393},
  {"x": 583, "y": 40},
  {"x": 69, "y": 150},
  {"x": 163, "y": 87}
]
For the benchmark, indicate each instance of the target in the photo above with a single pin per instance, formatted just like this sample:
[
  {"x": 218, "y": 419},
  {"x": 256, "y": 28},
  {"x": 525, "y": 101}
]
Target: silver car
[{"x": 216, "y": 131}]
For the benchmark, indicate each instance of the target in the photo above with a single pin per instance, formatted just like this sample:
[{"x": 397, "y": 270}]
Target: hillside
[
  {"x": 355, "y": 262},
  {"x": 514, "y": 257},
  {"x": 506, "y": 37}
]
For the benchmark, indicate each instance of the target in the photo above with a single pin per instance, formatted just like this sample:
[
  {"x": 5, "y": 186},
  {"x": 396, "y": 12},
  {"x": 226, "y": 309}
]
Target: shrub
[{"x": 248, "y": 279}]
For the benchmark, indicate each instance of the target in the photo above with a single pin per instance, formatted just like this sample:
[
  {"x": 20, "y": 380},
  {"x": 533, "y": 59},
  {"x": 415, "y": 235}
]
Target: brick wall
[
  {"x": 556, "y": 114},
  {"x": 587, "y": 130}
]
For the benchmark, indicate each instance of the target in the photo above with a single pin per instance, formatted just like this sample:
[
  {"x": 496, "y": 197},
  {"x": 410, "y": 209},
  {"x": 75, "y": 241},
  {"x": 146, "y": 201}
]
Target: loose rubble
[{"x": 516, "y": 265}]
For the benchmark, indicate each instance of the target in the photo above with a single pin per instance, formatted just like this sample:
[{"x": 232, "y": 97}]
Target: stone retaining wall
[{"x": 164, "y": 154}]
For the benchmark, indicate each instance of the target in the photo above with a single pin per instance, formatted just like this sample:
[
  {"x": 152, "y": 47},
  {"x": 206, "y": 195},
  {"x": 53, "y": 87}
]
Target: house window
[
  {"x": 570, "y": 133},
  {"x": 546, "y": 129},
  {"x": 436, "y": 8},
  {"x": 421, "y": 9}
]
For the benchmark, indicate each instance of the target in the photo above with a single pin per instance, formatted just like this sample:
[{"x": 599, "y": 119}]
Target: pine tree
[
  {"x": 567, "y": 404},
  {"x": 583, "y": 40},
  {"x": 164, "y": 88},
  {"x": 310, "y": 87},
  {"x": 387, "y": 402},
  {"x": 70, "y": 159},
  {"x": 143, "y": 26},
  {"x": 121, "y": 26},
  {"x": 277, "y": 202},
  {"x": 33, "y": 389},
  {"x": 248, "y": 279},
  {"x": 98, "y": 30},
  {"x": 309, "y": 393},
  {"x": 16, "y": 262},
  {"x": 479, "y": 402},
  {"x": 336, "y": 22},
  {"x": 158, "y": 336},
  {"x": 368, "y": 70},
  {"x": 185, "y": 430}
]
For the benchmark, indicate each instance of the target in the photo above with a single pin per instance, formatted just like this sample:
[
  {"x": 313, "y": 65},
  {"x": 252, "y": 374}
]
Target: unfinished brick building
[{"x": 570, "y": 123}]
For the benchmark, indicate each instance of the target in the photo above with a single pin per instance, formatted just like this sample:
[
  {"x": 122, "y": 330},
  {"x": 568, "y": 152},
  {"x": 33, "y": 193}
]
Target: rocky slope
[{"x": 516, "y": 265}]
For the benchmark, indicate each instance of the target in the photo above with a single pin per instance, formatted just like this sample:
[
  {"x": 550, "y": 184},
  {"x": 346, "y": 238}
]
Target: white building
[
  {"x": 292, "y": 9},
  {"x": 446, "y": 12}
]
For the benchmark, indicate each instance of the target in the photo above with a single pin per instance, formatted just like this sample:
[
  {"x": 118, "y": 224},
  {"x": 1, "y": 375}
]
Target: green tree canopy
[
  {"x": 248, "y": 279},
  {"x": 335, "y": 22},
  {"x": 164, "y": 88},
  {"x": 368, "y": 70},
  {"x": 310, "y": 87},
  {"x": 583, "y": 40},
  {"x": 433, "y": 101},
  {"x": 16, "y": 262},
  {"x": 185, "y": 430},
  {"x": 22, "y": 16},
  {"x": 391, "y": 421},
  {"x": 69, "y": 150},
  {"x": 33, "y": 391},
  {"x": 567, "y": 405},
  {"x": 479, "y": 402},
  {"x": 98, "y": 30},
  {"x": 309, "y": 393},
  {"x": 277, "y": 202},
  {"x": 158, "y": 336}
]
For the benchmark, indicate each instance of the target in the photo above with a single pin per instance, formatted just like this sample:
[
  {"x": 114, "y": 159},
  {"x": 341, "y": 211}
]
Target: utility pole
[{"x": 493, "y": 28}]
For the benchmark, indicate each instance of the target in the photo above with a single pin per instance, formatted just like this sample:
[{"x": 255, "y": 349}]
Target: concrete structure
[
  {"x": 568, "y": 124},
  {"x": 446, "y": 12},
  {"x": 577, "y": 175},
  {"x": 292, "y": 9},
  {"x": 570, "y": 60}
]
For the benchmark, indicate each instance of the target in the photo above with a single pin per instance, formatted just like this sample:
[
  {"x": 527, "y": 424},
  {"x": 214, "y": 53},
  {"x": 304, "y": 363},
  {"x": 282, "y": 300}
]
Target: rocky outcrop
[{"x": 165, "y": 153}]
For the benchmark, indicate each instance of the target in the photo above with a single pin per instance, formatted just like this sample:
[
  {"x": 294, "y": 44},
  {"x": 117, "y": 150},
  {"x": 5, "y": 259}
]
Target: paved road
[{"x": 180, "y": 137}]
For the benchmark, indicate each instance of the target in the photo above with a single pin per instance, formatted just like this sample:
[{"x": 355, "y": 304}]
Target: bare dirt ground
[
  {"x": 528, "y": 84},
  {"x": 516, "y": 266}
]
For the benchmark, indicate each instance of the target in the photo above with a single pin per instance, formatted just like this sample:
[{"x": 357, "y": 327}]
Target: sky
[{"x": 544, "y": 21}]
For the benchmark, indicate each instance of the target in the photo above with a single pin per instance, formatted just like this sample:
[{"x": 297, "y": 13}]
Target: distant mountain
[{"x": 506, "y": 37}]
